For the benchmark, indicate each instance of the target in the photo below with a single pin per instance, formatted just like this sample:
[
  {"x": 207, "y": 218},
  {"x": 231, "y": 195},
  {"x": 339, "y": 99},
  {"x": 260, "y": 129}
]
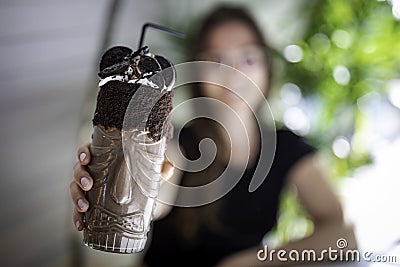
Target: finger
[
  {"x": 77, "y": 218},
  {"x": 82, "y": 177},
  {"x": 78, "y": 197},
  {"x": 167, "y": 170},
  {"x": 84, "y": 153}
]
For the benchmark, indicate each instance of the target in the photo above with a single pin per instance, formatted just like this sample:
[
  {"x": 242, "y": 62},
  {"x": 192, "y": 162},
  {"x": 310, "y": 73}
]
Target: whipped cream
[
  {"x": 121, "y": 78},
  {"x": 124, "y": 78},
  {"x": 130, "y": 78}
]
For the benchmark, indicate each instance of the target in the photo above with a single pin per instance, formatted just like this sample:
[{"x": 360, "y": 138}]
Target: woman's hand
[{"x": 83, "y": 182}]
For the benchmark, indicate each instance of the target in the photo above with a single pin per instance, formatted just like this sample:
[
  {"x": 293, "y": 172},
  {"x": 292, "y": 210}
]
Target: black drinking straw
[{"x": 158, "y": 27}]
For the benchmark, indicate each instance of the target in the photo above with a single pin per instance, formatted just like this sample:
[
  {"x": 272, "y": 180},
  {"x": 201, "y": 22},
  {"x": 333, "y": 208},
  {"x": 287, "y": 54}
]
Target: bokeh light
[
  {"x": 341, "y": 147},
  {"x": 394, "y": 92},
  {"x": 396, "y": 8},
  {"x": 342, "y": 38},
  {"x": 296, "y": 120},
  {"x": 293, "y": 53},
  {"x": 342, "y": 75},
  {"x": 320, "y": 43},
  {"x": 290, "y": 94}
]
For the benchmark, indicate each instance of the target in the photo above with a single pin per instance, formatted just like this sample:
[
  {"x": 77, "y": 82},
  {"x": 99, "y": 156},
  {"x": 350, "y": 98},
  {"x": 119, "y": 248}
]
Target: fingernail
[
  {"x": 82, "y": 156},
  {"x": 169, "y": 174},
  {"x": 82, "y": 205},
  {"x": 78, "y": 225},
  {"x": 85, "y": 182}
]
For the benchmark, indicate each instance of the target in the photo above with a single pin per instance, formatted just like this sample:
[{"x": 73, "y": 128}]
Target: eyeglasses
[{"x": 244, "y": 58}]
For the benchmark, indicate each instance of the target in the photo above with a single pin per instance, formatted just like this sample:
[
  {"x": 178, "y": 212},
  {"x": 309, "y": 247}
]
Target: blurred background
[{"x": 337, "y": 82}]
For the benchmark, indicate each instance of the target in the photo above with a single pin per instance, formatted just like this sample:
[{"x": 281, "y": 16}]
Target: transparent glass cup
[{"x": 126, "y": 170}]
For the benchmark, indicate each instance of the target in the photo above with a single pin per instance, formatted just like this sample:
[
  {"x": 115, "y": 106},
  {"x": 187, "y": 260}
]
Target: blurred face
[{"x": 234, "y": 44}]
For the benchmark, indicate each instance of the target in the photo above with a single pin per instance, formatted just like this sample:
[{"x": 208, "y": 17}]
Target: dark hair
[{"x": 226, "y": 14}]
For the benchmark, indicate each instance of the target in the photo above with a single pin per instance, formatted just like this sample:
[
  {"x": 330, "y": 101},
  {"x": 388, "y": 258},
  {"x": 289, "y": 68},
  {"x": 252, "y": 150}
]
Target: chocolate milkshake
[{"x": 128, "y": 144}]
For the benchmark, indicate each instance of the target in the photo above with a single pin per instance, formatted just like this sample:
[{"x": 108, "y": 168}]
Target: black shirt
[{"x": 246, "y": 217}]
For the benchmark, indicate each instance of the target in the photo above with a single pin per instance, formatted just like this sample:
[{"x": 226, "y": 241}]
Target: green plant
[{"x": 350, "y": 50}]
